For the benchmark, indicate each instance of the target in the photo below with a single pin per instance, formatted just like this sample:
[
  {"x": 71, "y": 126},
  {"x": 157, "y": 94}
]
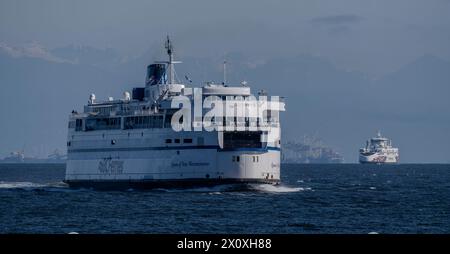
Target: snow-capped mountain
[{"x": 31, "y": 50}]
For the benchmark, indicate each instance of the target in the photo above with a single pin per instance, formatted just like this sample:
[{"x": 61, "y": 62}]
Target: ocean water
[{"x": 339, "y": 198}]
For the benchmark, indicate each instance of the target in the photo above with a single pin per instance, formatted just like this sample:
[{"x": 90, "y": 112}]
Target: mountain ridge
[{"x": 344, "y": 107}]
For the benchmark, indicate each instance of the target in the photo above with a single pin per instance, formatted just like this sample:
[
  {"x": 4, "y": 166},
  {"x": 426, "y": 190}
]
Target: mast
[
  {"x": 171, "y": 62},
  {"x": 169, "y": 48},
  {"x": 224, "y": 72}
]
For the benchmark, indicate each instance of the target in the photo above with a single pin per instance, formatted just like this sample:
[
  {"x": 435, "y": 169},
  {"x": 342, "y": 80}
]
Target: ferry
[
  {"x": 378, "y": 150},
  {"x": 167, "y": 134}
]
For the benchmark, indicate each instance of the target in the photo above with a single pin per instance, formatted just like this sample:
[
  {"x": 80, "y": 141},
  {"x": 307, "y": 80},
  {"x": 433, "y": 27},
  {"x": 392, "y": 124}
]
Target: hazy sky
[
  {"x": 313, "y": 43},
  {"x": 373, "y": 36}
]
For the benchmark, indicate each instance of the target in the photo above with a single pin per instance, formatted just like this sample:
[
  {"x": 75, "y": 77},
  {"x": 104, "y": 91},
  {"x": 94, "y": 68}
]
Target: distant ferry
[
  {"x": 378, "y": 150},
  {"x": 137, "y": 142}
]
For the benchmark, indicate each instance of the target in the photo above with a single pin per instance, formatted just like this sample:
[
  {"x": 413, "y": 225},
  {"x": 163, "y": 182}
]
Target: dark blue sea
[{"x": 339, "y": 198}]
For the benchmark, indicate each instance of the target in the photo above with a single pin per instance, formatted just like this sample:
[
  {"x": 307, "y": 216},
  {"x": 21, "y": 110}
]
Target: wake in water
[
  {"x": 55, "y": 186},
  {"x": 267, "y": 188},
  {"x": 277, "y": 188},
  {"x": 216, "y": 190}
]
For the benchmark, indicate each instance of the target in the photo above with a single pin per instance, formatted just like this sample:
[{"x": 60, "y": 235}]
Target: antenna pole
[
  {"x": 224, "y": 72},
  {"x": 169, "y": 48}
]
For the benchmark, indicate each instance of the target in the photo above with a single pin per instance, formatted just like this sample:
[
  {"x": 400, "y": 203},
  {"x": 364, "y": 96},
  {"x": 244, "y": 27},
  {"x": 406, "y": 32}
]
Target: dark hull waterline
[{"x": 162, "y": 184}]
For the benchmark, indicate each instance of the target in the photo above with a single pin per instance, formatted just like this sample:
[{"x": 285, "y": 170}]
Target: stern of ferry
[{"x": 243, "y": 157}]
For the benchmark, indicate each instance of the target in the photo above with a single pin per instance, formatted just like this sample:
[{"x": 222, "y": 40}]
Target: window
[
  {"x": 187, "y": 140},
  {"x": 168, "y": 141},
  {"x": 167, "y": 122},
  {"x": 233, "y": 158},
  {"x": 71, "y": 124},
  {"x": 239, "y": 139},
  {"x": 237, "y": 158},
  {"x": 79, "y": 125},
  {"x": 168, "y": 118},
  {"x": 143, "y": 122},
  {"x": 177, "y": 140},
  {"x": 93, "y": 124},
  {"x": 267, "y": 115}
]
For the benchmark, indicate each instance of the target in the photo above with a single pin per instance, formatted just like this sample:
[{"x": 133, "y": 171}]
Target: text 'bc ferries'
[{"x": 169, "y": 135}]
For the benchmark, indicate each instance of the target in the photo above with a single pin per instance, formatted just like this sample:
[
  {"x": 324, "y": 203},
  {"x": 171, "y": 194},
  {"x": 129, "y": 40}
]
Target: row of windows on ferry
[
  {"x": 115, "y": 123},
  {"x": 139, "y": 122}
]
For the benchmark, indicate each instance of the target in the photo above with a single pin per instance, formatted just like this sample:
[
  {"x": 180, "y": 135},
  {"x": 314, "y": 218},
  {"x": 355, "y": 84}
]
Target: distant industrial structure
[
  {"x": 309, "y": 150},
  {"x": 19, "y": 157}
]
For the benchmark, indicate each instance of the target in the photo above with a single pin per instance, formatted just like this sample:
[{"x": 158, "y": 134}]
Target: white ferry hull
[
  {"x": 378, "y": 158},
  {"x": 173, "y": 168}
]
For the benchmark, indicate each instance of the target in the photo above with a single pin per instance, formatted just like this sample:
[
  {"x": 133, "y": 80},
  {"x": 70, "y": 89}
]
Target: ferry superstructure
[
  {"x": 378, "y": 150},
  {"x": 136, "y": 141}
]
